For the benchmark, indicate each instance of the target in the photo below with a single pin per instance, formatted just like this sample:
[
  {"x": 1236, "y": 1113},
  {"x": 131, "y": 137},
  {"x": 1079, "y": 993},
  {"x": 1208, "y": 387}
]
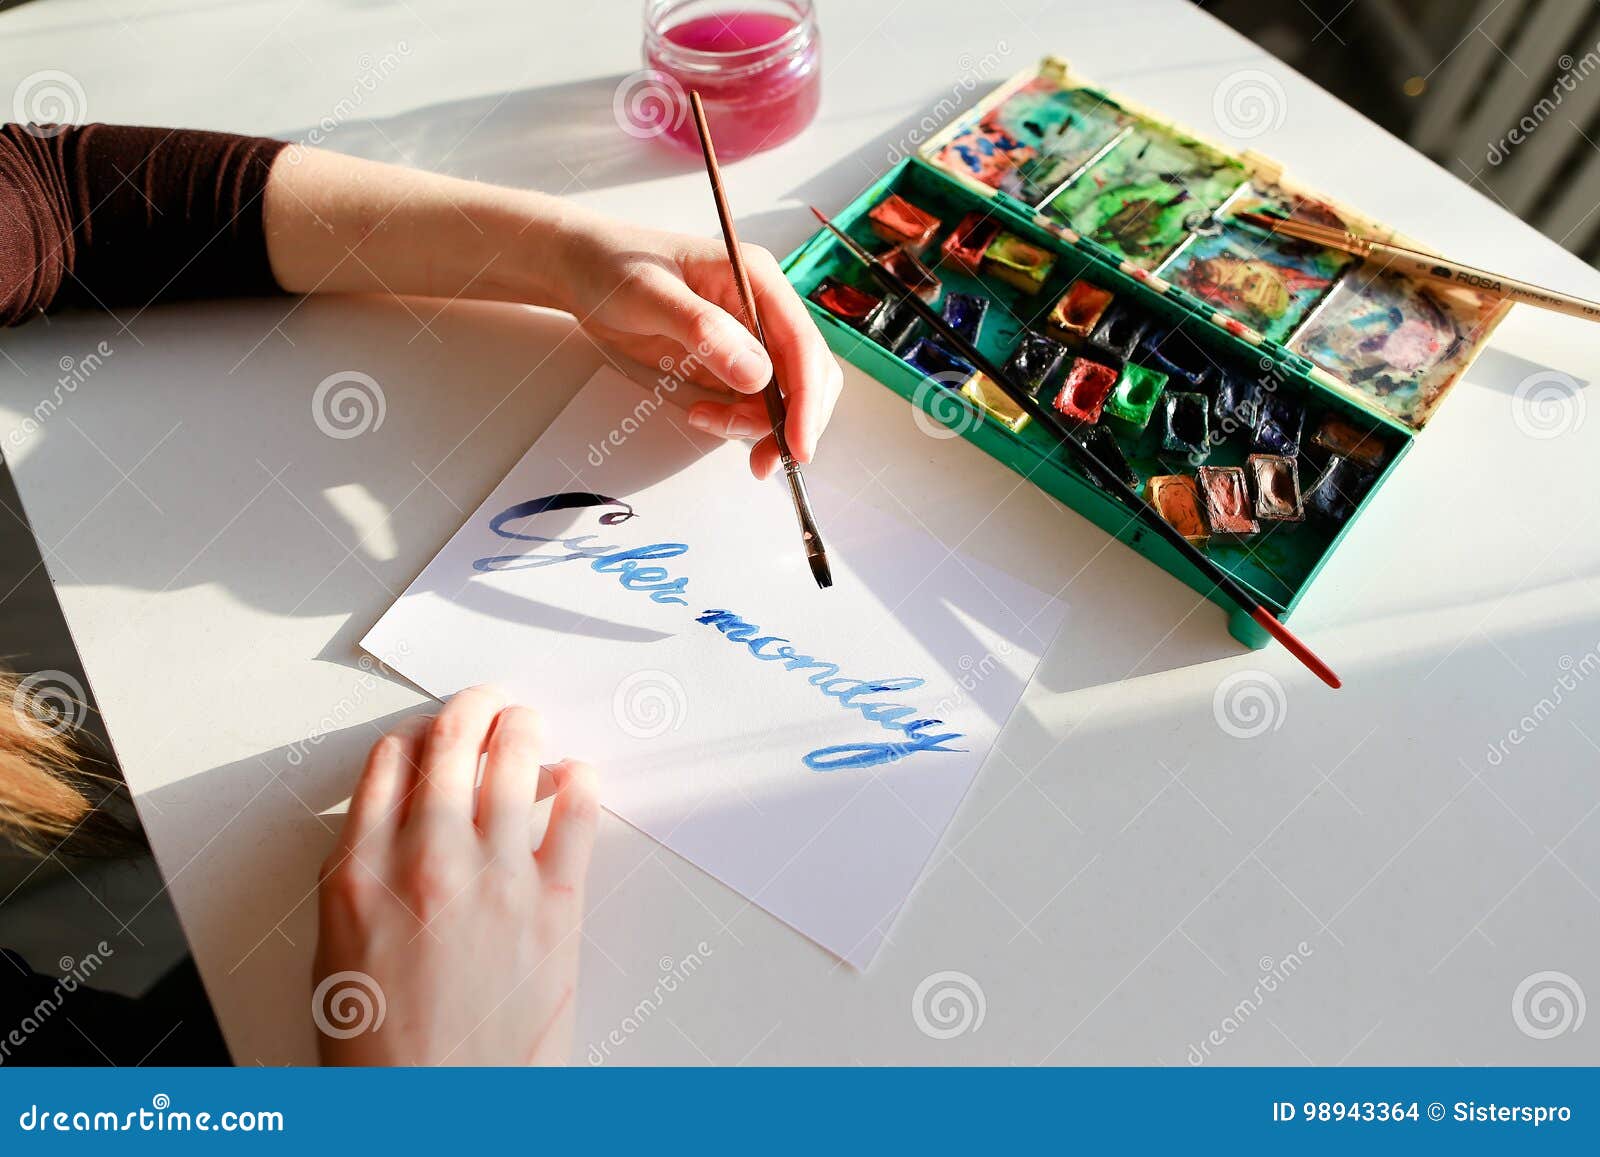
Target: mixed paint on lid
[{"x": 1163, "y": 202}]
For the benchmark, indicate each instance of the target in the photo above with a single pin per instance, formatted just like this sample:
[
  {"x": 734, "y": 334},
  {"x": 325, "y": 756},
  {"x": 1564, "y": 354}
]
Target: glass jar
[{"x": 756, "y": 63}]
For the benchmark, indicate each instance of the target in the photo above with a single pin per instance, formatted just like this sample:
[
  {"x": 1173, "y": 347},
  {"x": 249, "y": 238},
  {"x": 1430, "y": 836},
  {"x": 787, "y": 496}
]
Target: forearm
[{"x": 338, "y": 224}]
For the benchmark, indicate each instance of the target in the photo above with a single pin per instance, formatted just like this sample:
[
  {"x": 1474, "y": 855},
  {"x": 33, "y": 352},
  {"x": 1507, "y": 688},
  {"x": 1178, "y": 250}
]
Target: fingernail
[
  {"x": 699, "y": 421},
  {"x": 748, "y": 370}
]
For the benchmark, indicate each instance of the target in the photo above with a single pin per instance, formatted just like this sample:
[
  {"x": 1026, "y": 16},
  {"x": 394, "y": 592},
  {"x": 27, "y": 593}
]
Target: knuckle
[
  {"x": 448, "y": 729},
  {"x": 429, "y": 879},
  {"x": 707, "y": 333},
  {"x": 346, "y": 885},
  {"x": 638, "y": 281}
]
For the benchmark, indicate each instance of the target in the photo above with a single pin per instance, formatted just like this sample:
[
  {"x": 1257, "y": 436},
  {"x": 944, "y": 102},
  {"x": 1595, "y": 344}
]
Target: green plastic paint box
[{"x": 1274, "y": 332}]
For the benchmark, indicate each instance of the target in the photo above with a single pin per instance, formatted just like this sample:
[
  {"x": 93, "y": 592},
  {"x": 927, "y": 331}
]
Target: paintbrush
[
  {"x": 1420, "y": 264},
  {"x": 1083, "y": 457},
  {"x": 816, "y": 553}
]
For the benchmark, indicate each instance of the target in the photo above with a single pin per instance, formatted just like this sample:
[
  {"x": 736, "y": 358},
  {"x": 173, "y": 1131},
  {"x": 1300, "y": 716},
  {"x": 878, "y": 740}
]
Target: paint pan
[
  {"x": 969, "y": 240},
  {"x": 899, "y": 222},
  {"x": 965, "y": 313},
  {"x": 1275, "y": 482},
  {"x": 1176, "y": 498},
  {"x": 1018, "y": 262},
  {"x": 1083, "y": 395},
  {"x": 994, "y": 402},
  {"x": 1074, "y": 316},
  {"x": 1229, "y": 510},
  {"x": 1236, "y": 404},
  {"x": 1100, "y": 442},
  {"x": 937, "y": 360},
  {"x": 855, "y": 307},
  {"x": 1178, "y": 355},
  {"x": 1278, "y": 424},
  {"x": 1119, "y": 331},
  {"x": 895, "y": 326},
  {"x": 1034, "y": 360},
  {"x": 1338, "y": 490},
  {"x": 1137, "y": 393},
  {"x": 1184, "y": 429},
  {"x": 1334, "y": 435},
  {"x": 918, "y": 277}
]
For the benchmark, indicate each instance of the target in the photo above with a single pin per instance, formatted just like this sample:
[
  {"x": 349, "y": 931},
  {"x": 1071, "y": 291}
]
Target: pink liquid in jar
[{"x": 757, "y": 68}]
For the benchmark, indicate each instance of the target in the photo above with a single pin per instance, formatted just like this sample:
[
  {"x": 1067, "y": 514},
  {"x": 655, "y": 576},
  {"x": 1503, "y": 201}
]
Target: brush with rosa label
[{"x": 1415, "y": 263}]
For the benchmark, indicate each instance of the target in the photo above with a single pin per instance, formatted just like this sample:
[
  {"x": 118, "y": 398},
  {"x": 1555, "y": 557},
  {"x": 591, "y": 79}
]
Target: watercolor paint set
[{"x": 1257, "y": 390}]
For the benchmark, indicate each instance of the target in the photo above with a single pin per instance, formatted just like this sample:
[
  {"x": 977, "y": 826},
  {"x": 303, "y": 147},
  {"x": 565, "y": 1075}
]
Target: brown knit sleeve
[{"x": 108, "y": 215}]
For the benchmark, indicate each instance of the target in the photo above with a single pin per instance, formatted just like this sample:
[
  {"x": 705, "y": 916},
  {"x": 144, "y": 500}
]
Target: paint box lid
[{"x": 1130, "y": 187}]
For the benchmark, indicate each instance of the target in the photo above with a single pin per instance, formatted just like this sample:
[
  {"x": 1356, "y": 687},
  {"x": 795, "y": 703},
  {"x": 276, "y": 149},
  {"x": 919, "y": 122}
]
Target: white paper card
[{"x": 807, "y": 747}]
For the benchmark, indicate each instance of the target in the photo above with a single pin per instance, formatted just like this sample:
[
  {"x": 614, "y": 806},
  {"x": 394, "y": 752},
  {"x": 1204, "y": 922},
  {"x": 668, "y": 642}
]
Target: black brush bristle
[{"x": 820, "y": 570}]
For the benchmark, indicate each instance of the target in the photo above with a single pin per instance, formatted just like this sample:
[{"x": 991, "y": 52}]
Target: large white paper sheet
[{"x": 807, "y": 747}]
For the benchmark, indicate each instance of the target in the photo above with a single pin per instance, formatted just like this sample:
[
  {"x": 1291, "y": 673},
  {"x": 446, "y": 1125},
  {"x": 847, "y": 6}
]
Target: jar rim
[{"x": 706, "y": 60}]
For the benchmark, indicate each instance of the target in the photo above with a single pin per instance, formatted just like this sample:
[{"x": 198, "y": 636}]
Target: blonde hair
[{"x": 51, "y": 800}]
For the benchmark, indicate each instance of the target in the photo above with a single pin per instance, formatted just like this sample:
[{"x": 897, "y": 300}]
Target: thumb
[{"x": 711, "y": 337}]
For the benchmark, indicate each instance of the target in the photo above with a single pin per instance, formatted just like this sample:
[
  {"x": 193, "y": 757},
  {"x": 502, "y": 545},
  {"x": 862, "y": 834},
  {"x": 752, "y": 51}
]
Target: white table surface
[{"x": 1122, "y": 869}]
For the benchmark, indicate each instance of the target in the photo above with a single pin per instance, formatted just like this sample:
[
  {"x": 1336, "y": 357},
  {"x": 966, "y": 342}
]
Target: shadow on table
[
  {"x": 567, "y": 137},
  {"x": 1506, "y": 372},
  {"x": 233, "y": 889},
  {"x": 557, "y": 139}
]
